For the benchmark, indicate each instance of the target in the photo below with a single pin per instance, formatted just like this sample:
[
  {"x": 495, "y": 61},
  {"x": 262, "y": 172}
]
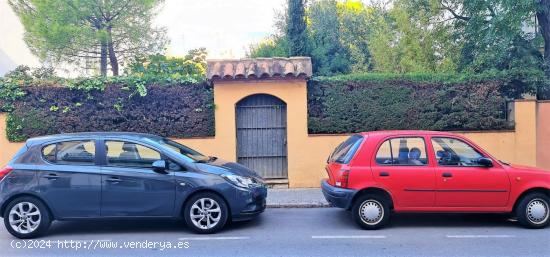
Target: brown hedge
[{"x": 167, "y": 110}]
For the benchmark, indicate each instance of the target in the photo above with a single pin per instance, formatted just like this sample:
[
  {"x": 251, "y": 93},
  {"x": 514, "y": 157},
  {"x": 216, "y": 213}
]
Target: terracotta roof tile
[{"x": 259, "y": 68}]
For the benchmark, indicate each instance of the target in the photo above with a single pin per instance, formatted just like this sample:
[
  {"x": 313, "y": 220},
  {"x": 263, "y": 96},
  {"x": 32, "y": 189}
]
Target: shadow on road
[
  {"x": 429, "y": 220},
  {"x": 133, "y": 226},
  {"x": 310, "y": 219}
]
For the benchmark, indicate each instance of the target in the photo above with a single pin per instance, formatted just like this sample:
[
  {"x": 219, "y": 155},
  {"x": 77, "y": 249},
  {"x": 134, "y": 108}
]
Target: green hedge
[
  {"x": 366, "y": 102},
  {"x": 184, "y": 107}
]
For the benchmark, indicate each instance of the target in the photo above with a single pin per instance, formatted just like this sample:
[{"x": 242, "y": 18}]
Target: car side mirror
[
  {"x": 485, "y": 162},
  {"x": 159, "y": 166}
]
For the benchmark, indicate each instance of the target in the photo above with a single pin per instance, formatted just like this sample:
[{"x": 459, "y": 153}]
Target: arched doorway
[{"x": 261, "y": 135}]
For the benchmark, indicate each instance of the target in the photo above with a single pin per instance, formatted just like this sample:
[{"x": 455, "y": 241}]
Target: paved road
[{"x": 298, "y": 232}]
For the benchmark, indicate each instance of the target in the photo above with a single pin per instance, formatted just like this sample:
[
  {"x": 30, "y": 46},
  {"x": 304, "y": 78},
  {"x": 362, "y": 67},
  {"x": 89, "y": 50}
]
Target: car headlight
[{"x": 240, "y": 181}]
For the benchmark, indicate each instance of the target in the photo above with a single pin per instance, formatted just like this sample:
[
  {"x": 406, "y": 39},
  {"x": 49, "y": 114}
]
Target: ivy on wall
[{"x": 168, "y": 110}]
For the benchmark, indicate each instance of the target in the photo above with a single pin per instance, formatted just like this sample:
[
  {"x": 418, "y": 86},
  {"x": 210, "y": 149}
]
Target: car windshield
[{"x": 183, "y": 150}]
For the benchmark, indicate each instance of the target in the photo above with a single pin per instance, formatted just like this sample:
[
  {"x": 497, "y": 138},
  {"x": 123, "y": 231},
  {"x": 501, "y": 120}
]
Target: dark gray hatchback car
[{"x": 123, "y": 175}]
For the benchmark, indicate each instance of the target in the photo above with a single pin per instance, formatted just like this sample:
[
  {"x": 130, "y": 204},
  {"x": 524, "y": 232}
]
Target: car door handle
[
  {"x": 447, "y": 174},
  {"x": 51, "y": 176},
  {"x": 113, "y": 180},
  {"x": 384, "y": 174}
]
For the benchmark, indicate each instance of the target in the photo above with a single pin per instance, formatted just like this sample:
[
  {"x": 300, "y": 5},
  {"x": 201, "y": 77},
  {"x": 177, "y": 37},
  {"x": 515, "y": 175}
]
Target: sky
[{"x": 225, "y": 27}]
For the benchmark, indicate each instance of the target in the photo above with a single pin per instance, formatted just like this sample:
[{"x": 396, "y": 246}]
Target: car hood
[
  {"x": 220, "y": 166},
  {"x": 523, "y": 168}
]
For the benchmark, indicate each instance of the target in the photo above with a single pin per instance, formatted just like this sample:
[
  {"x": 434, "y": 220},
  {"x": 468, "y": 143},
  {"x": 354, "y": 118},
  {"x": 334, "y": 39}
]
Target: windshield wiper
[{"x": 505, "y": 163}]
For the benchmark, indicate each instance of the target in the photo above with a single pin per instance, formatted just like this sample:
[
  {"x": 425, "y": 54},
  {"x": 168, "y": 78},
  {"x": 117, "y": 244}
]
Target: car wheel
[
  {"x": 371, "y": 211},
  {"x": 206, "y": 213},
  {"x": 533, "y": 210},
  {"x": 26, "y": 217}
]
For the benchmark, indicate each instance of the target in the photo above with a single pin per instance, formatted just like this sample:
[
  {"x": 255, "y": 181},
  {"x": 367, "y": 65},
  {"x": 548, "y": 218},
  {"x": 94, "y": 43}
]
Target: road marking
[
  {"x": 214, "y": 238},
  {"x": 480, "y": 236},
  {"x": 348, "y": 237}
]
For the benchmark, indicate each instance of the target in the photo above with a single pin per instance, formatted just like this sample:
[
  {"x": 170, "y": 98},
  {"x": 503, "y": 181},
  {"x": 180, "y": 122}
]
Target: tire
[
  {"x": 200, "y": 220},
  {"x": 34, "y": 225},
  {"x": 369, "y": 205},
  {"x": 533, "y": 210}
]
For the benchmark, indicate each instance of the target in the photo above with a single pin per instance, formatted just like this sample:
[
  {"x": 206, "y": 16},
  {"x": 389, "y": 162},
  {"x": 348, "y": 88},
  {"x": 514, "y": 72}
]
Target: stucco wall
[
  {"x": 527, "y": 145},
  {"x": 543, "y": 135}
]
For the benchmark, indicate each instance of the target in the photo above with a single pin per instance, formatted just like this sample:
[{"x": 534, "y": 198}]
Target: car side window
[
  {"x": 455, "y": 152},
  {"x": 81, "y": 152},
  {"x": 406, "y": 151},
  {"x": 129, "y": 154}
]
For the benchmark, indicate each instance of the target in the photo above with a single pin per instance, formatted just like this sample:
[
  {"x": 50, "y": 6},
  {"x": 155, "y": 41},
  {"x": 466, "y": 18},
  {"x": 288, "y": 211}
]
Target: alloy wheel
[
  {"x": 24, "y": 217},
  {"x": 205, "y": 213}
]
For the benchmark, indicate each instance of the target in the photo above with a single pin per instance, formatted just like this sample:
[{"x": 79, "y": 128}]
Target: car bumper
[
  {"x": 337, "y": 197},
  {"x": 252, "y": 202}
]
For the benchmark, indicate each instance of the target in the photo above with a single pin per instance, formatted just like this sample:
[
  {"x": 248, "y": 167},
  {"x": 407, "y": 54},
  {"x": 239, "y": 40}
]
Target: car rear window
[
  {"x": 81, "y": 152},
  {"x": 345, "y": 151}
]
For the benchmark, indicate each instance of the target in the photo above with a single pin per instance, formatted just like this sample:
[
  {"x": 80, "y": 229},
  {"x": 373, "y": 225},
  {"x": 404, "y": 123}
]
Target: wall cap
[{"x": 259, "y": 68}]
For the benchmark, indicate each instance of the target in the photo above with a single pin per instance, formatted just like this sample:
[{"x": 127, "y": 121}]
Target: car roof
[
  {"x": 383, "y": 133},
  {"x": 80, "y": 135}
]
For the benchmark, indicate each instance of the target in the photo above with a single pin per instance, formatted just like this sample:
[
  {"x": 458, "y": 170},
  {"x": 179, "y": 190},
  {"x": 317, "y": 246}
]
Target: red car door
[
  {"x": 462, "y": 180},
  {"x": 401, "y": 165}
]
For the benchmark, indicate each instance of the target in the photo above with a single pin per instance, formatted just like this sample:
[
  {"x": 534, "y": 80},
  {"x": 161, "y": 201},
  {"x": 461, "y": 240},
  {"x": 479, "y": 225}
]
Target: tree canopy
[
  {"x": 90, "y": 33},
  {"x": 402, "y": 36}
]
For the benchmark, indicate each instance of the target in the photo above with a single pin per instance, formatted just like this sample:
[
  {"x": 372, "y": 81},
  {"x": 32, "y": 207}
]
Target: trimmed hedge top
[{"x": 354, "y": 103}]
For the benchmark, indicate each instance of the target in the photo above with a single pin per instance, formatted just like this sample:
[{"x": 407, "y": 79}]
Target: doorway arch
[{"x": 261, "y": 122}]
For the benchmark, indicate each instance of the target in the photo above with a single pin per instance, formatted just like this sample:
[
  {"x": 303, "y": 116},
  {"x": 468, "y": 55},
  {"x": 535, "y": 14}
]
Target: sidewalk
[{"x": 296, "y": 198}]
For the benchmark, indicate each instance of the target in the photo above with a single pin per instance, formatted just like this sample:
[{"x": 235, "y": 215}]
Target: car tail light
[
  {"x": 330, "y": 178},
  {"x": 5, "y": 171},
  {"x": 344, "y": 178}
]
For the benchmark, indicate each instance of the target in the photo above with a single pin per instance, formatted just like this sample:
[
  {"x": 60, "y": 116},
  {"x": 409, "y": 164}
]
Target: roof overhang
[{"x": 259, "y": 68}]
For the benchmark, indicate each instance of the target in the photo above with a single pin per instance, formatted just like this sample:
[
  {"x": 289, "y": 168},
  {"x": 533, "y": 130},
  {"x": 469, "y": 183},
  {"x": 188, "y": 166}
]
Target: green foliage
[
  {"x": 418, "y": 36},
  {"x": 296, "y": 29},
  {"x": 514, "y": 83},
  {"x": 178, "y": 110},
  {"x": 19, "y": 122},
  {"x": 354, "y": 34},
  {"x": 191, "y": 67},
  {"x": 328, "y": 54},
  {"x": 11, "y": 84},
  {"x": 482, "y": 35},
  {"x": 412, "y": 101},
  {"x": 90, "y": 31},
  {"x": 270, "y": 47}
]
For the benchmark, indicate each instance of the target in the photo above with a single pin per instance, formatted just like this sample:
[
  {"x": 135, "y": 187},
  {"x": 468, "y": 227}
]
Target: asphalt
[{"x": 296, "y": 232}]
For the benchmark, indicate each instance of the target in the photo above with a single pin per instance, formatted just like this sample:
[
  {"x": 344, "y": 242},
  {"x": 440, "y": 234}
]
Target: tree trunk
[
  {"x": 112, "y": 54},
  {"x": 543, "y": 17},
  {"x": 103, "y": 60}
]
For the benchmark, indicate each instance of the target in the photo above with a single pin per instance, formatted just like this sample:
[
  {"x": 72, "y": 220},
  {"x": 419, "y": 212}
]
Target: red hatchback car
[{"x": 374, "y": 173}]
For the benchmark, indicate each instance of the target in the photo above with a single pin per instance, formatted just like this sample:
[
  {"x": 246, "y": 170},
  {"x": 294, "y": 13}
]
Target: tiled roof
[{"x": 294, "y": 67}]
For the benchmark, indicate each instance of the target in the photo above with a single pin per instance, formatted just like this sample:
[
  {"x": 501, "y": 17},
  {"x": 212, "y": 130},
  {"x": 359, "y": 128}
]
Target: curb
[{"x": 297, "y": 205}]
